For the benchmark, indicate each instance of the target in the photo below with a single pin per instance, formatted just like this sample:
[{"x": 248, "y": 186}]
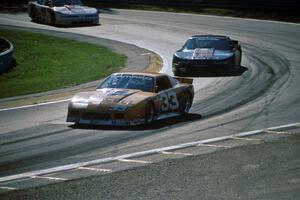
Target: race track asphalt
[
  {"x": 268, "y": 171},
  {"x": 264, "y": 93}
]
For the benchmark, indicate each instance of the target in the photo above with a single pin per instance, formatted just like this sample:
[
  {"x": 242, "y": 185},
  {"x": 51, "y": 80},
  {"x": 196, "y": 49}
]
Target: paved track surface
[
  {"x": 238, "y": 173},
  {"x": 263, "y": 94}
]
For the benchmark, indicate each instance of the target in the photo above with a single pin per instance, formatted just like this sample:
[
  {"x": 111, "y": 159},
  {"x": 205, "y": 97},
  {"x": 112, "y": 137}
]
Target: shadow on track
[
  {"x": 72, "y": 25},
  {"x": 75, "y": 25},
  {"x": 155, "y": 125},
  {"x": 108, "y": 11}
]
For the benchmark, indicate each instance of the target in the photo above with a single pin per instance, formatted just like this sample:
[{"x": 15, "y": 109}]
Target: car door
[{"x": 167, "y": 96}]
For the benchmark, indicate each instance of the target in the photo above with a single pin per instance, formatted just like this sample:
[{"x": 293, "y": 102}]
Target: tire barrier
[{"x": 6, "y": 55}]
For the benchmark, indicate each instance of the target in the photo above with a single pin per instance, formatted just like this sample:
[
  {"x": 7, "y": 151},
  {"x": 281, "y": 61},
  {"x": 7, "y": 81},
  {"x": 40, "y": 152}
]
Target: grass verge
[{"x": 45, "y": 63}]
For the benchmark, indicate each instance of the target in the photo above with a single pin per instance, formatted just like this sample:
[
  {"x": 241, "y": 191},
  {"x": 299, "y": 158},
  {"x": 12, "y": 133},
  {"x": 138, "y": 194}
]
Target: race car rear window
[
  {"x": 194, "y": 43},
  {"x": 128, "y": 81}
]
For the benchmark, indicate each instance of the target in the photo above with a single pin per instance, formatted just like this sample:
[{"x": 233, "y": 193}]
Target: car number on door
[{"x": 168, "y": 101}]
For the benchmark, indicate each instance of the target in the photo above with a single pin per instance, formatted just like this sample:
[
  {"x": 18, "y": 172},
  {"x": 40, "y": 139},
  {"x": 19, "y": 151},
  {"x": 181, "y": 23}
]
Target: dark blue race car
[{"x": 207, "y": 52}]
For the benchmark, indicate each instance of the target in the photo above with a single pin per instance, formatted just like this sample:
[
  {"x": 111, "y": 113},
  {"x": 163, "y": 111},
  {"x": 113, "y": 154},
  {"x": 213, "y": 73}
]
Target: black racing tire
[
  {"x": 52, "y": 18},
  {"x": 185, "y": 104},
  {"x": 33, "y": 14},
  {"x": 177, "y": 73},
  {"x": 241, "y": 54},
  {"x": 235, "y": 68},
  {"x": 237, "y": 63},
  {"x": 150, "y": 113}
]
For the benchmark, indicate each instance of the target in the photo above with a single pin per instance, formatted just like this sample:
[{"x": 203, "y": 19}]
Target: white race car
[{"x": 62, "y": 12}]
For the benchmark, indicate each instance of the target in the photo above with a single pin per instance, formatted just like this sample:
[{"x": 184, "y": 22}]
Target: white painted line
[
  {"x": 213, "y": 145},
  {"x": 34, "y": 105},
  {"x": 94, "y": 169},
  {"x": 175, "y": 153},
  {"x": 134, "y": 161},
  {"x": 145, "y": 54},
  {"x": 247, "y": 139},
  {"x": 49, "y": 178},
  {"x": 8, "y": 188},
  {"x": 282, "y": 126},
  {"x": 278, "y": 132},
  {"x": 137, "y": 154}
]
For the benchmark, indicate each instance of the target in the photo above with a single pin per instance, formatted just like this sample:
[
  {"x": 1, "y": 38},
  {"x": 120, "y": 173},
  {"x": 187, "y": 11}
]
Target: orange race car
[{"x": 125, "y": 99}]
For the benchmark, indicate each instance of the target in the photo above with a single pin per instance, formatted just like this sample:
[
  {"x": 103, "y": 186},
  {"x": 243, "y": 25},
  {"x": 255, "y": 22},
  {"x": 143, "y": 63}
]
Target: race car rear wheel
[
  {"x": 186, "y": 104},
  {"x": 237, "y": 62},
  {"x": 149, "y": 117},
  {"x": 177, "y": 73},
  {"x": 52, "y": 18},
  {"x": 32, "y": 14}
]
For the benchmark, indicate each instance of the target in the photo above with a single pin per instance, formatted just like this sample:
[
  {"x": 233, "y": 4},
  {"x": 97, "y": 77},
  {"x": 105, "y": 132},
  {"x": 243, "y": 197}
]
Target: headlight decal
[
  {"x": 80, "y": 105},
  {"x": 118, "y": 108}
]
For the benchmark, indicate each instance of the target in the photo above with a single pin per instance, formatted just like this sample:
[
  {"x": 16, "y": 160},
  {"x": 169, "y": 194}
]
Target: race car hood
[
  {"x": 75, "y": 9},
  {"x": 108, "y": 97},
  {"x": 195, "y": 55}
]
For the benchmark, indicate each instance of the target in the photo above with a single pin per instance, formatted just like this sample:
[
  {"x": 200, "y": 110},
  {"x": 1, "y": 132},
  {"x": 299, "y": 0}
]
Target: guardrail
[
  {"x": 6, "y": 55},
  {"x": 242, "y": 4}
]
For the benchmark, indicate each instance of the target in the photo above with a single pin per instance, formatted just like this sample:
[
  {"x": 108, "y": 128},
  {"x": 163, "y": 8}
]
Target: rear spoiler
[{"x": 184, "y": 80}]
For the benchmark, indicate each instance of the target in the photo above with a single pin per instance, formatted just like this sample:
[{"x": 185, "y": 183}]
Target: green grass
[{"x": 45, "y": 63}]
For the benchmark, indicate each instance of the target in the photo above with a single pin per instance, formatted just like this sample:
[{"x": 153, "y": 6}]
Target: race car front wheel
[
  {"x": 176, "y": 72},
  {"x": 52, "y": 18},
  {"x": 149, "y": 113},
  {"x": 186, "y": 104},
  {"x": 237, "y": 61},
  {"x": 32, "y": 14}
]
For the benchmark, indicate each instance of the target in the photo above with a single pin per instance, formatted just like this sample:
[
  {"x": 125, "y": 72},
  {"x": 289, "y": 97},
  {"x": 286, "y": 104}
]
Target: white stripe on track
[
  {"x": 138, "y": 154},
  {"x": 8, "y": 188},
  {"x": 134, "y": 161},
  {"x": 33, "y": 105},
  {"x": 94, "y": 169},
  {"x": 49, "y": 178},
  {"x": 175, "y": 153}
]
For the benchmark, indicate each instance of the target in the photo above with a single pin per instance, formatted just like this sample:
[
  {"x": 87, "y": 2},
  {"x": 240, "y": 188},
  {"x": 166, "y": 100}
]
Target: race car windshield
[
  {"x": 126, "y": 81},
  {"x": 59, "y": 3},
  {"x": 195, "y": 43}
]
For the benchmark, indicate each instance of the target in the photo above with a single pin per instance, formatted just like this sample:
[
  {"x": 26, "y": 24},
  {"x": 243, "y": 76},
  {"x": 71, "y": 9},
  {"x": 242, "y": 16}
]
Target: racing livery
[
  {"x": 207, "y": 52},
  {"x": 126, "y": 98},
  {"x": 62, "y": 12}
]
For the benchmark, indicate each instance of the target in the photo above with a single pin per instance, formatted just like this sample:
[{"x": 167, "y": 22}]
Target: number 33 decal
[{"x": 168, "y": 101}]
